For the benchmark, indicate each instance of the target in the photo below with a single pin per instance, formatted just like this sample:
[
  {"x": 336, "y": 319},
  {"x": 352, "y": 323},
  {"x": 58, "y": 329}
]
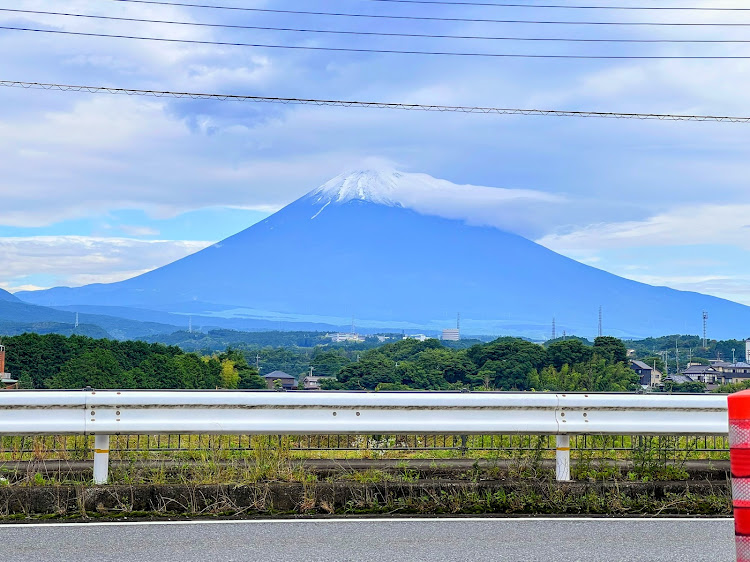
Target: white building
[
  {"x": 418, "y": 337},
  {"x": 342, "y": 337},
  {"x": 451, "y": 335},
  {"x": 311, "y": 382}
]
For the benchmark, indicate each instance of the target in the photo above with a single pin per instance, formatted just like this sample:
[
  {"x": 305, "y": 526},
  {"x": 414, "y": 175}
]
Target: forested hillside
[{"x": 54, "y": 361}]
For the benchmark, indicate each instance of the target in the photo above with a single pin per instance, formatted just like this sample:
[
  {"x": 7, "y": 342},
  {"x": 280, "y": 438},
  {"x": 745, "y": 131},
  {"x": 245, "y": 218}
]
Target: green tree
[
  {"x": 372, "y": 369},
  {"x": 97, "y": 368},
  {"x": 250, "y": 379},
  {"x": 328, "y": 363},
  {"x": 230, "y": 378},
  {"x": 611, "y": 349},
  {"x": 695, "y": 387},
  {"x": 511, "y": 360},
  {"x": 568, "y": 352},
  {"x": 658, "y": 362}
]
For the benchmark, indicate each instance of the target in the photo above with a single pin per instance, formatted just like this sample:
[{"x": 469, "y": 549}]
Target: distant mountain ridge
[
  {"x": 6, "y": 296},
  {"x": 357, "y": 247},
  {"x": 17, "y": 317}
]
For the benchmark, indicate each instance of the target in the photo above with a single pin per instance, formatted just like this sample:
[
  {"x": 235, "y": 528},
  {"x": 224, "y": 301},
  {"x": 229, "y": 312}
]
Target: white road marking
[{"x": 498, "y": 520}]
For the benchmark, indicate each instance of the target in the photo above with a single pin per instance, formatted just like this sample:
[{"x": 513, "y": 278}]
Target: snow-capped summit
[
  {"x": 375, "y": 186},
  {"x": 479, "y": 205}
]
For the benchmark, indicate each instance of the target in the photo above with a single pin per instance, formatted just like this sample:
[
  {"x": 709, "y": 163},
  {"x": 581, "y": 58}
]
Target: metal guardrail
[
  {"x": 497, "y": 446},
  {"x": 105, "y": 413}
]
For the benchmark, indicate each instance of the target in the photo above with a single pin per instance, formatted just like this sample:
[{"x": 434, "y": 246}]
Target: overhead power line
[
  {"x": 370, "y": 104},
  {"x": 372, "y": 33},
  {"x": 564, "y": 6},
  {"x": 382, "y": 51},
  {"x": 428, "y": 18}
]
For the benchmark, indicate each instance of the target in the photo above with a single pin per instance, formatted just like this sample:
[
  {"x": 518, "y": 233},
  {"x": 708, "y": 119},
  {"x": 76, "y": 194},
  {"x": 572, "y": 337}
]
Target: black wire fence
[{"x": 80, "y": 447}]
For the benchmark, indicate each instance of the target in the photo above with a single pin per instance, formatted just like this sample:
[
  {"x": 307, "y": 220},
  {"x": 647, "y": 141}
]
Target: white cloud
[
  {"x": 78, "y": 260},
  {"x": 133, "y": 230},
  {"x": 682, "y": 226},
  {"x": 731, "y": 287},
  {"x": 507, "y": 209}
]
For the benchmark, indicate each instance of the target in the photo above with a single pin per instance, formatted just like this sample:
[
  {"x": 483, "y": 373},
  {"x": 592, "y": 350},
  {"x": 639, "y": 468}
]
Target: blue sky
[{"x": 97, "y": 188}]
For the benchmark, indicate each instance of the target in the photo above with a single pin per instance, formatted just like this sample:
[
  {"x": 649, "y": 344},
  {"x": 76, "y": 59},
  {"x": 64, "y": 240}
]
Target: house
[
  {"x": 708, "y": 374},
  {"x": 311, "y": 382},
  {"x": 288, "y": 382},
  {"x": 649, "y": 375},
  {"x": 734, "y": 372},
  {"x": 6, "y": 381}
]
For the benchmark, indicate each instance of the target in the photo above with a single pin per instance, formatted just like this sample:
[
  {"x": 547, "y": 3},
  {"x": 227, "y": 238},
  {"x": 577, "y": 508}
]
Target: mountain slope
[
  {"x": 353, "y": 247},
  {"x": 6, "y": 296}
]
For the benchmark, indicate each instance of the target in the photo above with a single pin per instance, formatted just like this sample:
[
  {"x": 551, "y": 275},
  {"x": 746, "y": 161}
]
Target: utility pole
[
  {"x": 665, "y": 357},
  {"x": 257, "y": 362},
  {"x": 733, "y": 360},
  {"x": 676, "y": 357},
  {"x": 705, "y": 322}
]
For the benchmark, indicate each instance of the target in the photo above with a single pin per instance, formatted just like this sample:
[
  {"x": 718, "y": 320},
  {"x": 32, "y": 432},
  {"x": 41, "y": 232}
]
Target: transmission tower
[
  {"x": 600, "y": 321},
  {"x": 705, "y": 323},
  {"x": 554, "y": 329}
]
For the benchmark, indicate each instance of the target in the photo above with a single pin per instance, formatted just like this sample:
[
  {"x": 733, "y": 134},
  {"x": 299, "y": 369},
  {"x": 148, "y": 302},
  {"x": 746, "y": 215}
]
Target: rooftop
[
  {"x": 698, "y": 369},
  {"x": 278, "y": 375},
  {"x": 642, "y": 365}
]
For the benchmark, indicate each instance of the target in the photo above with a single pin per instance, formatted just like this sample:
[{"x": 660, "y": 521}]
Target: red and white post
[{"x": 739, "y": 453}]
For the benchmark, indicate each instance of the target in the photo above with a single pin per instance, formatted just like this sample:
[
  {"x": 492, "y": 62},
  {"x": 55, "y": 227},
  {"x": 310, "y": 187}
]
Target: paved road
[{"x": 433, "y": 540}]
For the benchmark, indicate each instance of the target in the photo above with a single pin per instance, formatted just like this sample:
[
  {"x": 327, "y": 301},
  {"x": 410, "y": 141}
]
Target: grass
[
  {"x": 434, "y": 498},
  {"x": 205, "y": 459},
  {"x": 268, "y": 477}
]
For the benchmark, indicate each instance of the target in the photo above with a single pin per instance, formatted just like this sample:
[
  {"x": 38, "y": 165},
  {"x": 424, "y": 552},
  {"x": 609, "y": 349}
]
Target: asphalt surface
[{"x": 433, "y": 540}]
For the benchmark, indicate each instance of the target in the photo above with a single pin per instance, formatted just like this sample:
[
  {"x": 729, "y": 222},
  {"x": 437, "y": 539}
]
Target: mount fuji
[{"x": 370, "y": 244}]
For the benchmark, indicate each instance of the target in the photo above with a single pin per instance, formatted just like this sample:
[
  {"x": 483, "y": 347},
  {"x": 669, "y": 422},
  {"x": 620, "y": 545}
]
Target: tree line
[
  {"x": 504, "y": 364},
  {"x": 53, "y": 361}
]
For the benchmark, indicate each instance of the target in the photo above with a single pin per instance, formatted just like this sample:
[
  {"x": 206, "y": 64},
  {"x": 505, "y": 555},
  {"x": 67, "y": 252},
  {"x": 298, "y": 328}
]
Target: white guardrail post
[
  {"x": 101, "y": 459},
  {"x": 562, "y": 457}
]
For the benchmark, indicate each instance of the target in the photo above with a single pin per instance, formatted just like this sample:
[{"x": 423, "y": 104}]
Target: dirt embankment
[{"x": 421, "y": 497}]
